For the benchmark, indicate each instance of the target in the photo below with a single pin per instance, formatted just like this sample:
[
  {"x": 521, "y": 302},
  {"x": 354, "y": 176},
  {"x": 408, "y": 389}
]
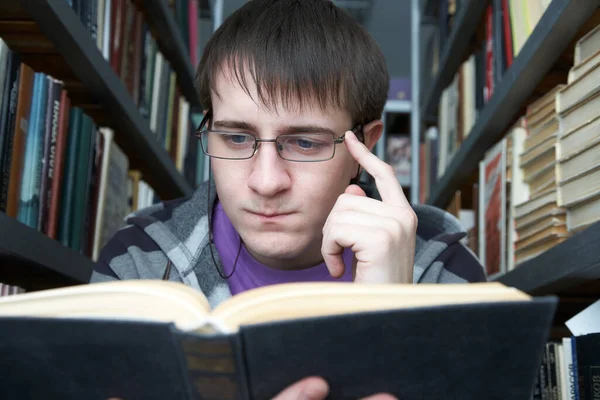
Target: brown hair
[{"x": 298, "y": 51}]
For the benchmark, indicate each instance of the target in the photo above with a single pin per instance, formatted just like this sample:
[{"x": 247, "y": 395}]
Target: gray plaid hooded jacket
[{"x": 177, "y": 231}]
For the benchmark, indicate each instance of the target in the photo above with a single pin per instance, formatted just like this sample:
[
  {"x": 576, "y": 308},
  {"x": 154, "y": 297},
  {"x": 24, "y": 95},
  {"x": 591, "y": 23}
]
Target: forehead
[{"x": 238, "y": 97}]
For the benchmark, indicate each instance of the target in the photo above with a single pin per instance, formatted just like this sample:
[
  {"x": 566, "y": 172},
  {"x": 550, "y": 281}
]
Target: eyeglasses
[{"x": 298, "y": 147}]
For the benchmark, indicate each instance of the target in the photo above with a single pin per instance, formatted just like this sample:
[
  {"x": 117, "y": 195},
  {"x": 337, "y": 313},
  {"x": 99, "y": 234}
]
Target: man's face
[{"x": 278, "y": 207}]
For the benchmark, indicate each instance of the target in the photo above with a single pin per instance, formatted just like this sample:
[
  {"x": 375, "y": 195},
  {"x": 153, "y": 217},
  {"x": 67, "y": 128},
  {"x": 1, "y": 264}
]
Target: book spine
[
  {"x": 25, "y": 96},
  {"x": 545, "y": 392},
  {"x": 59, "y": 166},
  {"x": 575, "y": 368},
  {"x": 214, "y": 365},
  {"x": 9, "y": 133},
  {"x": 48, "y": 159},
  {"x": 551, "y": 365}
]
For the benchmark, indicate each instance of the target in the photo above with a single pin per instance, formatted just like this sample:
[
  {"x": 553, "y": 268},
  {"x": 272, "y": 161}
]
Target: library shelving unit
[
  {"x": 164, "y": 28},
  {"x": 572, "y": 268},
  {"x": 467, "y": 19},
  {"x": 50, "y": 38}
]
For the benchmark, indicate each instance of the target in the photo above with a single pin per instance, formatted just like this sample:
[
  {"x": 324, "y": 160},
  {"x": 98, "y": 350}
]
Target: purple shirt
[{"x": 249, "y": 273}]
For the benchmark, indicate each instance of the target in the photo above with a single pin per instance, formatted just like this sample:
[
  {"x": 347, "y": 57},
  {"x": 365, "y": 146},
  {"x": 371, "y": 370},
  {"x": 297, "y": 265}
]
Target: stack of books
[
  {"x": 540, "y": 222},
  {"x": 578, "y": 147}
]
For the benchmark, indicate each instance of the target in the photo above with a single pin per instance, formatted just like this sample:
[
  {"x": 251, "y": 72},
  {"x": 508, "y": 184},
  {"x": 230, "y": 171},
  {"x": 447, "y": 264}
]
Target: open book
[{"x": 141, "y": 338}]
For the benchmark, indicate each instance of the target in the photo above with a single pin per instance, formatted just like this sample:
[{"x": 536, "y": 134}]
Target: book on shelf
[
  {"x": 414, "y": 341},
  {"x": 578, "y": 166},
  {"x": 505, "y": 27},
  {"x": 398, "y": 155},
  {"x": 558, "y": 161},
  {"x": 492, "y": 210},
  {"x": 62, "y": 171},
  {"x": 569, "y": 369}
]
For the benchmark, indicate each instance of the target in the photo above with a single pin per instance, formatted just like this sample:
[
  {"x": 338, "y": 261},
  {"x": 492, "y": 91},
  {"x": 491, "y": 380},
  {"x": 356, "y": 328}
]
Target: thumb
[
  {"x": 311, "y": 388},
  {"x": 355, "y": 190}
]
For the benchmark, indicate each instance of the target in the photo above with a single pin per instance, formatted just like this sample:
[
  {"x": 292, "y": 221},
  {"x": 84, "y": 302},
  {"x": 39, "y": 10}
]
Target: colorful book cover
[
  {"x": 29, "y": 200},
  {"x": 492, "y": 210},
  {"x": 398, "y": 154}
]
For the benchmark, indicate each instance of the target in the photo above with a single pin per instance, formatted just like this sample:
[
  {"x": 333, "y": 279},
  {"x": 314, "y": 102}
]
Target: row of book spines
[
  {"x": 53, "y": 180},
  {"x": 46, "y": 152},
  {"x": 127, "y": 44},
  {"x": 51, "y": 149},
  {"x": 507, "y": 24},
  {"x": 186, "y": 15},
  {"x": 570, "y": 369}
]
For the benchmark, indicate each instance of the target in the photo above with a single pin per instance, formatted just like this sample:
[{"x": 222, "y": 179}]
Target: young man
[{"x": 293, "y": 91}]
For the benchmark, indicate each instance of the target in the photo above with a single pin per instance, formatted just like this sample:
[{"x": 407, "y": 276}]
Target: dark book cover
[
  {"x": 58, "y": 166},
  {"x": 498, "y": 50},
  {"x": 588, "y": 365},
  {"x": 93, "y": 19},
  {"x": 69, "y": 176},
  {"x": 470, "y": 351},
  {"x": 144, "y": 76},
  {"x": 49, "y": 158},
  {"x": 82, "y": 182},
  {"x": 117, "y": 23},
  {"x": 552, "y": 366},
  {"x": 7, "y": 123},
  {"x": 544, "y": 385}
]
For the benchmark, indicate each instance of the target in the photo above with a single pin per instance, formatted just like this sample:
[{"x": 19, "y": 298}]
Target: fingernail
[{"x": 317, "y": 390}]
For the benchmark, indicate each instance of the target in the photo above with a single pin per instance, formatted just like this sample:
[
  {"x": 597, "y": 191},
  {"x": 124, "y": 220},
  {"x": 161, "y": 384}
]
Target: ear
[{"x": 372, "y": 132}]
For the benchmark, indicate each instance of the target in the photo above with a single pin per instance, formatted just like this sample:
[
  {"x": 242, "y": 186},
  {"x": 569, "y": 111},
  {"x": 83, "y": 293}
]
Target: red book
[
  {"x": 59, "y": 165},
  {"x": 489, "y": 54},
  {"x": 507, "y": 33}
]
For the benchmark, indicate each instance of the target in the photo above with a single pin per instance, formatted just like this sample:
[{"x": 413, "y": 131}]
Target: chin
[{"x": 275, "y": 245}]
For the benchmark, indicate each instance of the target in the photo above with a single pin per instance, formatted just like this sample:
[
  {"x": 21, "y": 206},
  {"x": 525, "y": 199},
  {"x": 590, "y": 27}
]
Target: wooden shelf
[
  {"x": 162, "y": 23},
  {"x": 50, "y": 38},
  {"x": 574, "y": 262},
  {"x": 467, "y": 19},
  {"x": 552, "y": 35},
  {"x": 33, "y": 261}
]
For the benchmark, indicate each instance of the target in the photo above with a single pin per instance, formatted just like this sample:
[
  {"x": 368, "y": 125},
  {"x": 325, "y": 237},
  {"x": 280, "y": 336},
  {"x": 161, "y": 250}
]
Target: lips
[{"x": 269, "y": 215}]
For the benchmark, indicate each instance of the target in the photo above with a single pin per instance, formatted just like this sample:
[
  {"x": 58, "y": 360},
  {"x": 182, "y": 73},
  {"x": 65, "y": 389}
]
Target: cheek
[
  {"x": 323, "y": 183},
  {"x": 229, "y": 176}
]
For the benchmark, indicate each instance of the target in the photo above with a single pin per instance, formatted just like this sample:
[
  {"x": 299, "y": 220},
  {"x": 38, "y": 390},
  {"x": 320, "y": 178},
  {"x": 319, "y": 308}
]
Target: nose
[{"x": 269, "y": 175}]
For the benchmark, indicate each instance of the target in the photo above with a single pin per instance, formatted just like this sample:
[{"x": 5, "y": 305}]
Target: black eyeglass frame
[{"x": 357, "y": 130}]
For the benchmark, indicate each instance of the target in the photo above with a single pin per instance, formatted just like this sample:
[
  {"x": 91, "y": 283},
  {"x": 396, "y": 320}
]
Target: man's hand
[
  {"x": 315, "y": 388},
  {"x": 382, "y": 234}
]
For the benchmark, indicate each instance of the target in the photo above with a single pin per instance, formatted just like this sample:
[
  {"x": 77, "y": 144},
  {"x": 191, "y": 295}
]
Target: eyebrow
[{"x": 242, "y": 125}]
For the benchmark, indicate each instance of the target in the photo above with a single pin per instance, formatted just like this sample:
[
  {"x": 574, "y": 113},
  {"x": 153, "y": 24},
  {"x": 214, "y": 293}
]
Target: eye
[
  {"x": 236, "y": 139},
  {"x": 306, "y": 144}
]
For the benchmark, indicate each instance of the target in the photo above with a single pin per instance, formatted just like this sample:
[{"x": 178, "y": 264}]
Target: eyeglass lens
[{"x": 293, "y": 147}]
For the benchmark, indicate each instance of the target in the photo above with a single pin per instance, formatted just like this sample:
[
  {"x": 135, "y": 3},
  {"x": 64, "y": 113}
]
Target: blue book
[
  {"x": 28, "y": 175},
  {"x": 38, "y": 154}
]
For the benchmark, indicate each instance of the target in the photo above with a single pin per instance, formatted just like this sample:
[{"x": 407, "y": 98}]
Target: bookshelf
[
  {"x": 31, "y": 260},
  {"x": 50, "y": 38},
  {"x": 72, "y": 56},
  {"x": 556, "y": 270},
  {"x": 164, "y": 28},
  {"x": 467, "y": 20},
  {"x": 554, "y": 32},
  {"x": 571, "y": 269}
]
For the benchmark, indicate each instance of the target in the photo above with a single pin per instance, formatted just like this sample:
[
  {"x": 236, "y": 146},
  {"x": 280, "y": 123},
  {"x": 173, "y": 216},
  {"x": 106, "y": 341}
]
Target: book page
[
  {"x": 150, "y": 300},
  {"x": 302, "y": 300}
]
